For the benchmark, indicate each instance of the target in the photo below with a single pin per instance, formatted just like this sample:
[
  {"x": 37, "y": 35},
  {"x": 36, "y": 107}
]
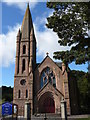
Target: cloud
[
  {"x": 21, "y": 4},
  {"x": 8, "y": 46},
  {"x": 47, "y": 41}
]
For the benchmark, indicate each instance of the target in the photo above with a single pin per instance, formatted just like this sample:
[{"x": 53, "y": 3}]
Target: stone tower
[
  {"x": 43, "y": 84},
  {"x": 25, "y": 64}
]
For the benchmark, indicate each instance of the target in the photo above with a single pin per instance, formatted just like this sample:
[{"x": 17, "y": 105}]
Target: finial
[
  {"x": 19, "y": 29},
  {"x": 47, "y": 53},
  {"x": 28, "y": 5},
  {"x": 18, "y": 32}
]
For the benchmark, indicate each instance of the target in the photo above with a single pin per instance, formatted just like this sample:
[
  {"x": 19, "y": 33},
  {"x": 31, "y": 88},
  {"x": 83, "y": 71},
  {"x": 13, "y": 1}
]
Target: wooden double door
[{"x": 49, "y": 105}]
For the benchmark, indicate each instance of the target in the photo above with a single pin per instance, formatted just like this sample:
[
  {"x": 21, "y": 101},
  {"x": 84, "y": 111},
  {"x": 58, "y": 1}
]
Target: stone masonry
[{"x": 43, "y": 84}]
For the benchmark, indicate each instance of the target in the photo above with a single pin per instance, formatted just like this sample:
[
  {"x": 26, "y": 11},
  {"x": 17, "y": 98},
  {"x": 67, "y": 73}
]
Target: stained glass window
[{"x": 48, "y": 76}]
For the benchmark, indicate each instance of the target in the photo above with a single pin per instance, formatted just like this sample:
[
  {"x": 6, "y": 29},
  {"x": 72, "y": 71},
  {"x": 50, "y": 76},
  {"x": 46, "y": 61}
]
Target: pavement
[{"x": 72, "y": 117}]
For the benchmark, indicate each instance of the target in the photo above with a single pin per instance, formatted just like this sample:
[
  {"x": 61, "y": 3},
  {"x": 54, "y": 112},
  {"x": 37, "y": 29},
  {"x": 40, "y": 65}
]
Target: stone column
[
  {"x": 27, "y": 111},
  {"x": 63, "y": 110}
]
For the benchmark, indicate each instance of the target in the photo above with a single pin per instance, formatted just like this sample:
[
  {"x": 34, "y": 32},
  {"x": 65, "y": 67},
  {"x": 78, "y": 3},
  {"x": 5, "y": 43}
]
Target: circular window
[{"x": 23, "y": 82}]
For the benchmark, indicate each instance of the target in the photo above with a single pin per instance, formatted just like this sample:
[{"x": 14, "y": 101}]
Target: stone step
[
  {"x": 34, "y": 118},
  {"x": 48, "y": 118},
  {"x": 47, "y": 114}
]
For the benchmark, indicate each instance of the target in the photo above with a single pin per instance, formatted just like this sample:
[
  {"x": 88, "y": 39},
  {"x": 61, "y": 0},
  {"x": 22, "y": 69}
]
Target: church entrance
[
  {"x": 49, "y": 105},
  {"x": 46, "y": 103}
]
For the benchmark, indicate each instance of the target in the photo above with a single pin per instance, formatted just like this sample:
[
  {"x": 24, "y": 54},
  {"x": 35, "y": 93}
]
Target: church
[{"x": 43, "y": 84}]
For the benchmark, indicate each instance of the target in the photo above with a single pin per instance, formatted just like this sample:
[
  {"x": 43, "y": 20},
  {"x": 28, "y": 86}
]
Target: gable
[
  {"x": 48, "y": 62},
  {"x": 57, "y": 71},
  {"x": 48, "y": 88}
]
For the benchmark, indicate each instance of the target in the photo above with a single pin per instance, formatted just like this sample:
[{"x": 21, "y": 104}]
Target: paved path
[
  {"x": 79, "y": 116},
  {"x": 72, "y": 117}
]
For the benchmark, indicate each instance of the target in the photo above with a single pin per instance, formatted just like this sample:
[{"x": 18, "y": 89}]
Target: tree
[
  {"x": 7, "y": 94},
  {"x": 88, "y": 66},
  {"x": 83, "y": 84},
  {"x": 71, "y": 22}
]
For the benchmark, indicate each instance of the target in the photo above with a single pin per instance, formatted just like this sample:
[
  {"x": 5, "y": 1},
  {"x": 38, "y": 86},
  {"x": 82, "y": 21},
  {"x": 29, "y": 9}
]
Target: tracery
[{"x": 48, "y": 76}]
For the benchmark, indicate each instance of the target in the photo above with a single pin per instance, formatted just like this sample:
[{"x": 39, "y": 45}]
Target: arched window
[
  {"x": 24, "y": 49},
  {"x": 23, "y": 65},
  {"x": 48, "y": 76},
  {"x": 19, "y": 94},
  {"x": 26, "y": 93},
  {"x": 18, "y": 66}
]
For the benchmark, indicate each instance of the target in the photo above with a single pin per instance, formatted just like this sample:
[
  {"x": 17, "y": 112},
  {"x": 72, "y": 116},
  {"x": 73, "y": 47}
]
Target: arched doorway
[{"x": 49, "y": 105}]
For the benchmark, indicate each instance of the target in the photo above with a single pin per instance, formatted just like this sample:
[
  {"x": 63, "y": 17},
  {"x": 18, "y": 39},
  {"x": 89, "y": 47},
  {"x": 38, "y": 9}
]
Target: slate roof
[{"x": 59, "y": 64}]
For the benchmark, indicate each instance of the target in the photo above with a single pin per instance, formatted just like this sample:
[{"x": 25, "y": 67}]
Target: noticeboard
[{"x": 6, "y": 109}]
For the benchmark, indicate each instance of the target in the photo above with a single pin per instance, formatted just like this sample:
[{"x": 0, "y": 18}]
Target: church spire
[
  {"x": 26, "y": 24},
  {"x": 28, "y": 5}
]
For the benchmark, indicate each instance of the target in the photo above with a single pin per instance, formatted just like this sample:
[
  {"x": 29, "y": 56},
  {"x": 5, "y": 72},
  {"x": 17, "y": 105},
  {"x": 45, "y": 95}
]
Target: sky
[{"x": 12, "y": 14}]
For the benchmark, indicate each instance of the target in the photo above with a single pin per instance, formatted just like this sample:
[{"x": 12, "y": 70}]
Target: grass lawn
[{"x": 83, "y": 119}]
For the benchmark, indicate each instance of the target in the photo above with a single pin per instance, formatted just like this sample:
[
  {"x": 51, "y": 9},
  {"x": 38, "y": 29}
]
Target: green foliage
[
  {"x": 7, "y": 93},
  {"x": 83, "y": 81},
  {"x": 71, "y": 21},
  {"x": 83, "y": 119}
]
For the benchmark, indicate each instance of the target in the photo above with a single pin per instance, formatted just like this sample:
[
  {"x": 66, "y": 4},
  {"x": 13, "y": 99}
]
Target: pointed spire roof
[
  {"x": 27, "y": 23},
  {"x": 28, "y": 5},
  {"x": 18, "y": 35}
]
